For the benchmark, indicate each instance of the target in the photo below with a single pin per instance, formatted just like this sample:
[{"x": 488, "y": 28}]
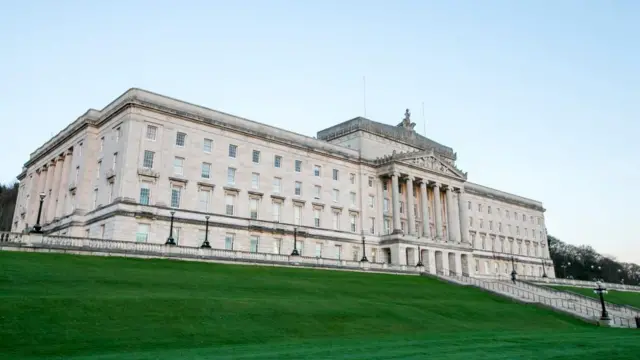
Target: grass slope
[
  {"x": 81, "y": 307},
  {"x": 612, "y": 296}
]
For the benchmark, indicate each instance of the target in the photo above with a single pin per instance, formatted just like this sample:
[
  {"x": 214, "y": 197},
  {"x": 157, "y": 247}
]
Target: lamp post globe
[
  {"x": 37, "y": 228},
  {"x": 170, "y": 240}
]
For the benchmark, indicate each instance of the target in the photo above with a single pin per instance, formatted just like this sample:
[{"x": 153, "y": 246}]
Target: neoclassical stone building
[{"x": 119, "y": 172}]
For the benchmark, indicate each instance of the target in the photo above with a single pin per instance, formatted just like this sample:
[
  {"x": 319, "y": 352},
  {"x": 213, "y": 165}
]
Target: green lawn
[
  {"x": 79, "y": 307},
  {"x": 612, "y": 296}
]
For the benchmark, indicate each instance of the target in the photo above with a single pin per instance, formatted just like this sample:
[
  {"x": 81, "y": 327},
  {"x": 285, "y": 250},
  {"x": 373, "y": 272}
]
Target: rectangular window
[
  {"x": 80, "y": 150},
  {"x": 180, "y": 139},
  {"x": 387, "y": 226},
  {"x": 297, "y": 215},
  {"x": 335, "y": 174},
  {"x": 228, "y": 241},
  {"x": 490, "y": 225},
  {"x": 229, "y": 201},
  {"x": 77, "y": 176},
  {"x": 145, "y": 193},
  {"x": 372, "y": 201},
  {"x": 176, "y": 234},
  {"x": 336, "y": 195},
  {"x": 374, "y": 253},
  {"x": 470, "y": 221},
  {"x": 203, "y": 199},
  {"x": 207, "y": 145},
  {"x": 205, "y": 171},
  {"x": 176, "y": 194},
  {"x": 147, "y": 161},
  {"x": 277, "y": 161},
  {"x": 233, "y": 150},
  {"x": 489, "y": 209},
  {"x": 372, "y": 225},
  {"x": 316, "y": 217},
  {"x": 354, "y": 253},
  {"x": 101, "y": 144},
  {"x": 385, "y": 186},
  {"x": 253, "y": 246},
  {"x": 352, "y": 178},
  {"x": 370, "y": 181},
  {"x": 298, "y": 165},
  {"x": 352, "y": 199},
  {"x": 298, "y": 188},
  {"x": 316, "y": 170},
  {"x": 142, "y": 235},
  {"x": 253, "y": 208},
  {"x": 318, "y": 250},
  {"x": 338, "y": 252},
  {"x": 255, "y": 157},
  {"x": 352, "y": 222},
  {"x": 255, "y": 181},
  {"x": 115, "y": 161},
  {"x": 178, "y": 165},
  {"x": 277, "y": 185},
  {"x": 118, "y": 134},
  {"x": 385, "y": 205},
  {"x": 336, "y": 220},
  {"x": 95, "y": 199},
  {"x": 110, "y": 193},
  {"x": 316, "y": 191},
  {"x": 401, "y": 207},
  {"x": 277, "y": 209},
  {"x": 98, "y": 170},
  {"x": 231, "y": 176},
  {"x": 152, "y": 132},
  {"x": 277, "y": 246}
]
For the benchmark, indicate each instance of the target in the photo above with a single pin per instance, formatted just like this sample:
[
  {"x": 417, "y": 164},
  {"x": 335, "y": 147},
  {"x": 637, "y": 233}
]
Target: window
[
  {"x": 370, "y": 181},
  {"x": 385, "y": 186},
  {"x": 298, "y": 188},
  {"x": 95, "y": 198},
  {"x": 80, "y": 149},
  {"x": 110, "y": 193},
  {"x": 176, "y": 192},
  {"x": 506, "y": 213},
  {"x": 372, "y": 201},
  {"x": 180, "y": 139},
  {"x": 277, "y": 161},
  {"x": 255, "y": 157},
  {"x": 524, "y": 218},
  {"x": 317, "y": 189},
  {"x": 500, "y": 227},
  {"x": 277, "y": 246},
  {"x": 298, "y": 165},
  {"x": 233, "y": 150},
  {"x": 336, "y": 195},
  {"x": 77, "y": 174},
  {"x": 255, "y": 181},
  {"x": 98, "y": 170},
  {"x": 489, "y": 209},
  {"x": 118, "y": 134},
  {"x": 142, "y": 235},
  {"x": 481, "y": 223},
  {"x": 336, "y": 220},
  {"x": 205, "y": 171},
  {"x": 253, "y": 208},
  {"x": 228, "y": 241},
  {"x": 229, "y": 201},
  {"x": 352, "y": 222},
  {"x": 385, "y": 205},
  {"x": 335, "y": 174},
  {"x": 176, "y": 234},
  {"x": 115, "y": 161},
  {"x": 352, "y": 199},
  {"x": 277, "y": 185},
  {"x": 338, "y": 252},
  {"x": 207, "y": 145},
  {"x": 354, "y": 253},
  {"x": 297, "y": 215},
  {"x": 316, "y": 170},
  {"x": 101, "y": 144},
  {"x": 372, "y": 225},
  {"x": 470, "y": 221},
  {"x": 318, "y": 250},
  {"x": 517, "y": 230},
  {"x": 178, "y": 165},
  {"x": 203, "y": 199},
  {"x": 387, "y": 226},
  {"x": 374, "y": 252},
  {"x": 469, "y": 205},
  {"x": 277, "y": 209},
  {"x": 352, "y": 178},
  {"x": 480, "y": 207},
  {"x": 401, "y": 207},
  {"x": 147, "y": 161},
  {"x": 231, "y": 176},
  {"x": 316, "y": 217},
  {"x": 152, "y": 131},
  {"x": 300, "y": 247},
  {"x": 515, "y": 215}
]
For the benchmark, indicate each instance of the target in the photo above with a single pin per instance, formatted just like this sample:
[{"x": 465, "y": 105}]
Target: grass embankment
[
  {"x": 82, "y": 307},
  {"x": 612, "y": 296}
]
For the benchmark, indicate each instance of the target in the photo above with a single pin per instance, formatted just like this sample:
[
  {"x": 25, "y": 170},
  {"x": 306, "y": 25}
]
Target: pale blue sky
[{"x": 538, "y": 98}]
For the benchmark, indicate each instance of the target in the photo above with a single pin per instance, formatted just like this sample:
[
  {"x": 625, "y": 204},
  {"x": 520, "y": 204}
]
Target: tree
[{"x": 8, "y": 198}]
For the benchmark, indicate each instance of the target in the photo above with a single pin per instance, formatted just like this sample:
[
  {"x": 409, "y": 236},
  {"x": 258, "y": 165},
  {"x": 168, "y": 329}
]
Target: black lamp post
[
  {"x": 364, "y": 252},
  {"x": 600, "y": 290},
  {"x": 295, "y": 243},
  {"x": 170, "y": 240},
  {"x": 564, "y": 268},
  {"x": 37, "y": 229},
  {"x": 513, "y": 271},
  {"x": 544, "y": 271},
  {"x": 419, "y": 257},
  {"x": 205, "y": 244}
]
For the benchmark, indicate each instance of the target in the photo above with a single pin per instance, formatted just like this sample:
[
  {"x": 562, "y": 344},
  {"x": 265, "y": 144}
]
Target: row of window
[
  {"x": 509, "y": 247},
  {"x": 521, "y": 269},
  {"x": 506, "y": 213},
  {"x": 526, "y": 231}
]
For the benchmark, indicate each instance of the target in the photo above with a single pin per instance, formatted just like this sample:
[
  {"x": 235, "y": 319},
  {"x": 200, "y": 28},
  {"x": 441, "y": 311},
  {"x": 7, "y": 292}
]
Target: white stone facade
[{"x": 119, "y": 172}]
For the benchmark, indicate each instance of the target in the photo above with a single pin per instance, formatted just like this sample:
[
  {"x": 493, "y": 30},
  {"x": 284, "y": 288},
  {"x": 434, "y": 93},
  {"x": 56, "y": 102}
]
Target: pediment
[{"x": 429, "y": 161}]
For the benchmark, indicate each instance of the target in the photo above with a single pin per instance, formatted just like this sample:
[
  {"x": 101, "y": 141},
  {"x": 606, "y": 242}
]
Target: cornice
[{"x": 490, "y": 193}]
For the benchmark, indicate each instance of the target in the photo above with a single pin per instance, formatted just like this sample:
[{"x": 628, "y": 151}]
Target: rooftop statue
[{"x": 406, "y": 122}]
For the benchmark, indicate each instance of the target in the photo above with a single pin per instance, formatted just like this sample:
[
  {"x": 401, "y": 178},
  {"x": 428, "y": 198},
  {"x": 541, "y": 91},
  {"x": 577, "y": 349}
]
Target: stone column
[
  {"x": 464, "y": 217},
  {"x": 64, "y": 185},
  {"x": 55, "y": 187},
  {"x": 411, "y": 216},
  {"x": 34, "y": 195},
  {"x": 450, "y": 214},
  {"x": 47, "y": 186},
  {"x": 437, "y": 210},
  {"x": 395, "y": 199},
  {"x": 425, "y": 209}
]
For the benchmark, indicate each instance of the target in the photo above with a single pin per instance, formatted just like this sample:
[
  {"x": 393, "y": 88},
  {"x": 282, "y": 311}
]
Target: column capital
[
  {"x": 409, "y": 177},
  {"x": 395, "y": 173},
  {"x": 69, "y": 152},
  {"x": 424, "y": 182}
]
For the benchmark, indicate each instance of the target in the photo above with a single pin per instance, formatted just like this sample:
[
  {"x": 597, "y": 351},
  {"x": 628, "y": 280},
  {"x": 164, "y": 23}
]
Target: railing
[
  {"x": 11, "y": 237},
  {"x": 579, "y": 283}
]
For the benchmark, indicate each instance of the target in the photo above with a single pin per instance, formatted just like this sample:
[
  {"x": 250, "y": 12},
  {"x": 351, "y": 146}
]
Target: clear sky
[{"x": 538, "y": 98}]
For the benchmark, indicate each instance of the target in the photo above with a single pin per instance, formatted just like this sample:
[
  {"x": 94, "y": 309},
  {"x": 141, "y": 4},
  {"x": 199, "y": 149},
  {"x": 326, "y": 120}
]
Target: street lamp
[
  {"x": 37, "y": 229},
  {"x": 205, "y": 244},
  {"x": 564, "y": 268},
  {"x": 364, "y": 252},
  {"x": 419, "y": 257},
  {"x": 170, "y": 240},
  {"x": 513, "y": 271},
  {"x": 295, "y": 243},
  {"x": 600, "y": 290}
]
